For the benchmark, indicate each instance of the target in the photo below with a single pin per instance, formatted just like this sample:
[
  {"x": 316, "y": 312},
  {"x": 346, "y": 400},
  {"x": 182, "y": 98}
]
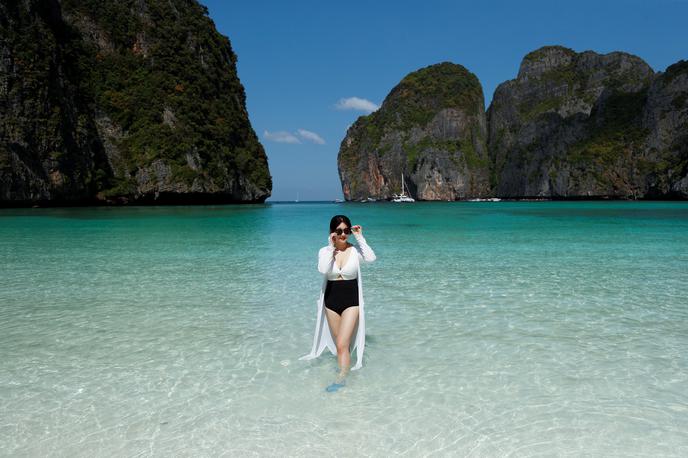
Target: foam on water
[{"x": 494, "y": 329}]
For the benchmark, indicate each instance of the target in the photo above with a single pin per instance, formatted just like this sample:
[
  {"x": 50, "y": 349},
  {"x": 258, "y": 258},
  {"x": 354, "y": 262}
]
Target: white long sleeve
[
  {"x": 365, "y": 253},
  {"x": 325, "y": 259}
]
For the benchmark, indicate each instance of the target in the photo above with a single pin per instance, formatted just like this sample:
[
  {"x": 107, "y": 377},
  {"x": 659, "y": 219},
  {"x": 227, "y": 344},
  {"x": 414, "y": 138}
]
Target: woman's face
[{"x": 343, "y": 235}]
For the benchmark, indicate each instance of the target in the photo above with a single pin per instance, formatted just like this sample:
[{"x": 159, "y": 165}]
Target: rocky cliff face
[
  {"x": 571, "y": 125},
  {"x": 49, "y": 147},
  {"x": 122, "y": 101},
  {"x": 431, "y": 128},
  {"x": 664, "y": 158}
]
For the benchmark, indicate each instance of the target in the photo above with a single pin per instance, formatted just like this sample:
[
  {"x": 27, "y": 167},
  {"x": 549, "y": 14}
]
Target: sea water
[{"x": 493, "y": 329}]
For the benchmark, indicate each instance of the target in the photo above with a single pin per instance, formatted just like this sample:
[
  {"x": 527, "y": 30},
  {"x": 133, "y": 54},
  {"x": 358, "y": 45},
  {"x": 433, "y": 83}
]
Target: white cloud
[
  {"x": 356, "y": 103},
  {"x": 281, "y": 137},
  {"x": 311, "y": 136}
]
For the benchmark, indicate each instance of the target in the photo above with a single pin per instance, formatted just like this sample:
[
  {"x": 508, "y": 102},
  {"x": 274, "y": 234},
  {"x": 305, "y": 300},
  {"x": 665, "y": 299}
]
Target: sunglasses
[{"x": 339, "y": 231}]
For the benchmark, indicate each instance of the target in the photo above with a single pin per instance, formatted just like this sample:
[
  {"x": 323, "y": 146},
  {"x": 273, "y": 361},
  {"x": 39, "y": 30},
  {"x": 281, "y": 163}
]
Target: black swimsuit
[{"x": 341, "y": 294}]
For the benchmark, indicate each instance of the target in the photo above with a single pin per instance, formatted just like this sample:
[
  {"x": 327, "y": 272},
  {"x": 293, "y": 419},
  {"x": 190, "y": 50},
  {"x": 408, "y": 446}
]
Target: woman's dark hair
[{"x": 337, "y": 220}]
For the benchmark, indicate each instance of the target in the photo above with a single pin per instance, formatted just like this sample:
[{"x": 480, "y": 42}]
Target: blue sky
[{"x": 298, "y": 60}]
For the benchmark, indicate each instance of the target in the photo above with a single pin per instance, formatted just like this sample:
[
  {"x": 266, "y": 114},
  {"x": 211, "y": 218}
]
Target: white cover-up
[{"x": 323, "y": 338}]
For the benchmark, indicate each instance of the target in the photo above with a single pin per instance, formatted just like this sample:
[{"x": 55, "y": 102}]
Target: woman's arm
[
  {"x": 326, "y": 257},
  {"x": 365, "y": 253}
]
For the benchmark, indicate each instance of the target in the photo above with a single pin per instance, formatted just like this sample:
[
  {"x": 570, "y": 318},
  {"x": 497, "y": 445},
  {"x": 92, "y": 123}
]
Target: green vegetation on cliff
[
  {"x": 168, "y": 58},
  {"x": 423, "y": 93},
  {"x": 544, "y": 51},
  {"x": 614, "y": 128},
  {"x": 414, "y": 102},
  {"x": 565, "y": 79},
  {"x": 156, "y": 78}
]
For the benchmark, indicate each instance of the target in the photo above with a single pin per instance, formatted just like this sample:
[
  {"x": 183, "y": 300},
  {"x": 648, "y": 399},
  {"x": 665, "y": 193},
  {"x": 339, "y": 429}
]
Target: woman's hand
[
  {"x": 333, "y": 236},
  {"x": 357, "y": 230}
]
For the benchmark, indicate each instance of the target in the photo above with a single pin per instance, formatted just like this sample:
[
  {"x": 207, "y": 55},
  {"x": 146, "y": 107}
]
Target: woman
[{"x": 341, "y": 297}]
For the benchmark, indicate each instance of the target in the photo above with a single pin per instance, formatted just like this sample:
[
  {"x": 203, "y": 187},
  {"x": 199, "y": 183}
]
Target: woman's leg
[
  {"x": 333, "y": 320},
  {"x": 347, "y": 325}
]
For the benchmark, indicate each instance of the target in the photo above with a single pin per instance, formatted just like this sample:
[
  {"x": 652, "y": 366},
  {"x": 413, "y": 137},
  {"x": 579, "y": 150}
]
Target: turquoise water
[{"x": 494, "y": 329}]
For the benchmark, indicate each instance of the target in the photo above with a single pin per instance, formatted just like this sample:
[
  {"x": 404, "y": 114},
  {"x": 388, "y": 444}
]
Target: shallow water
[{"x": 494, "y": 329}]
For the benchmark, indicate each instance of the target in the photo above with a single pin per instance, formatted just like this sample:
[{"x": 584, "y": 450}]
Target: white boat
[
  {"x": 403, "y": 197},
  {"x": 338, "y": 201}
]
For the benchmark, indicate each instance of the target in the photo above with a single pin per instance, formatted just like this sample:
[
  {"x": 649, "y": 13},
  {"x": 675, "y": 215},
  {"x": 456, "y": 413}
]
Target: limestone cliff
[
  {"x": 664, "y": 158},
  {"x": 431, "y": 127},
  {"x": 572, "y": 125},
  {"x": 133, "y": 101}
]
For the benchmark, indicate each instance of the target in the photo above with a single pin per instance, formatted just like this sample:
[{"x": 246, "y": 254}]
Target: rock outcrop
[
  {"x": 431, "y": 128},
  {"x": 134, "y": 101},
  {"x": 569, "y": 126},
  {"x": 664, "y": 159},
  {"x": 575, "y": 125}
]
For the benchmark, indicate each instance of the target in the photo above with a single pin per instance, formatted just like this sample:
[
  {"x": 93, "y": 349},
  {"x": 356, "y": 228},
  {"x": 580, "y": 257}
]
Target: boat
[
  {"x": 489, "y": 199},
  {"x": 338, "y": 201},
  {"x": 403, "y": 197}
]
